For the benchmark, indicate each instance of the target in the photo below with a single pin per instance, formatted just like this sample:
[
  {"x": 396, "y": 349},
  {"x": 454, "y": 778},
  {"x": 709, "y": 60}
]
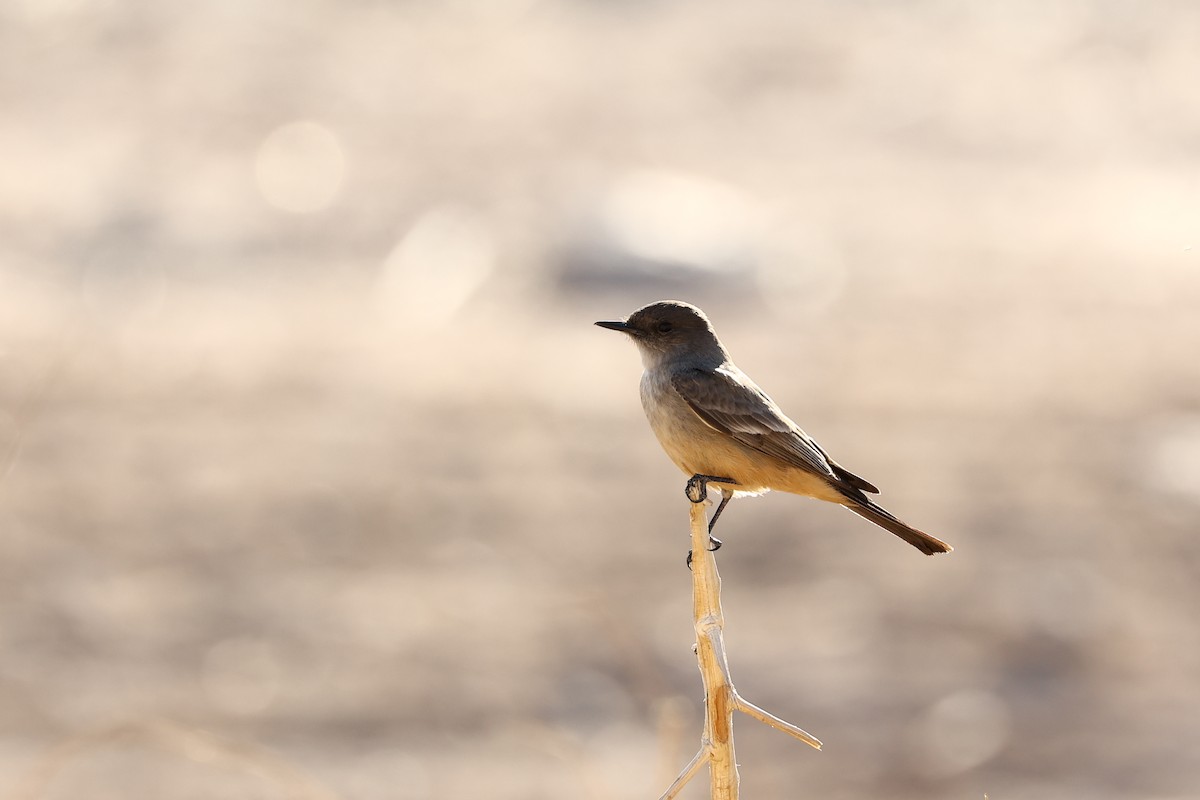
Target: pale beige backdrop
[{"x": 307, "y": 440}]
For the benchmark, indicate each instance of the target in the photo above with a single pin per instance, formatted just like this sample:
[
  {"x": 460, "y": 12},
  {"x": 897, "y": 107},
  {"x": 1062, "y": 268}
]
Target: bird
[{"x": 718, "y": 426}]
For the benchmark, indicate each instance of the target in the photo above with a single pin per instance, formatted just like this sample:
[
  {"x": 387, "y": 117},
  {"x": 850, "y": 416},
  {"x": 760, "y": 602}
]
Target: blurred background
[{"x": 317, "y": 480}]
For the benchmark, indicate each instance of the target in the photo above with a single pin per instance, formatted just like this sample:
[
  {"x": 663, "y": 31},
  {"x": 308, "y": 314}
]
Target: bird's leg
[
  {"x": 726, "y": 496},
  {"x": 697, "y": 491}
]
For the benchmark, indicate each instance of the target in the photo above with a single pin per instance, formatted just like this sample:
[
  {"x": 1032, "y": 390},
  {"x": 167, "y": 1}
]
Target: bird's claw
[{"x": 697, "y": 486}]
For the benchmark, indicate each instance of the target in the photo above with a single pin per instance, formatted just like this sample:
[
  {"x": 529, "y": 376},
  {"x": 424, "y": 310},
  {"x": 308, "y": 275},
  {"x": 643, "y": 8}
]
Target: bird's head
[{"x": 670, "y": 330}]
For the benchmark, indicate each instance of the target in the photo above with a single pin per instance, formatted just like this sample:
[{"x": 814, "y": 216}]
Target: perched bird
[{"x": 714, "y": 422}]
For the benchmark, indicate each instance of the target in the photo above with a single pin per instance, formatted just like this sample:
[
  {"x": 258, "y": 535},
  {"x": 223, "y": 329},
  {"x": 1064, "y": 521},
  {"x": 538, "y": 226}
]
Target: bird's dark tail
[{"x": 922, "y": 541}]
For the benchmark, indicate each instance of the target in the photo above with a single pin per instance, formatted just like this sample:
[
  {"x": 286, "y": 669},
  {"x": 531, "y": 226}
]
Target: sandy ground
[{"x": 318, "y": 482}]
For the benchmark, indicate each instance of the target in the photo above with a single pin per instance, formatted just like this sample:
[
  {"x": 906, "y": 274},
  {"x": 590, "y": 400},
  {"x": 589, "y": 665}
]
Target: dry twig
[{"x": 720, "y": 698}]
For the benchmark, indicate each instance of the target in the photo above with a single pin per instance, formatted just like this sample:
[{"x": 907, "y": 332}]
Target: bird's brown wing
[{"x": 727, "y": 400}]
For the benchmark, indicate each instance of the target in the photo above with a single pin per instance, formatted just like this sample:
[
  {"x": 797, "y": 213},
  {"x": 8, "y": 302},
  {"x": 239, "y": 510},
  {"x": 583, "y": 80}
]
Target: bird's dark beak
[{"x": 623, "y": 327}]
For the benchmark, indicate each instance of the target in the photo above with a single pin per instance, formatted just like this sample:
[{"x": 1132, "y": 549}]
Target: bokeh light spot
[
  {"x": 960, "y": 732},
  {"x": 436, "y": 267},
  {"x": 1173, "y": 449},
  {"x": 299, "y": 167}
]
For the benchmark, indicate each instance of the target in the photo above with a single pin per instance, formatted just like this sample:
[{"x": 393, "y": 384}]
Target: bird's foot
[
  {"x": 697, "y": 486},
  {"x": 697, "y": 491}
]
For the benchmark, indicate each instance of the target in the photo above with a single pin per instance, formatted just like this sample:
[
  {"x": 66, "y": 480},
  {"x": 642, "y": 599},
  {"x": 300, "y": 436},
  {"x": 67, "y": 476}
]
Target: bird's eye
[{"x": 664, "y": 327}]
